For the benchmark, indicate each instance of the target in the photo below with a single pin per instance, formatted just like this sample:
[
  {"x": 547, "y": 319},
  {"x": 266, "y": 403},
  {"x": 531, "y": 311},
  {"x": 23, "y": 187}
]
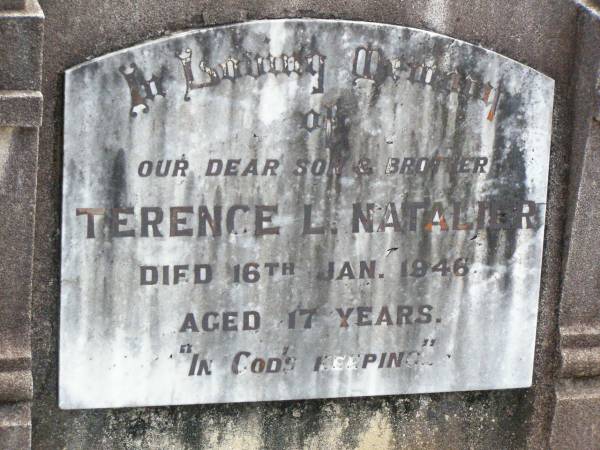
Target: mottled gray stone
[
  {"x": 540, "y": 33},
  {"x": 313, "y": 90}
]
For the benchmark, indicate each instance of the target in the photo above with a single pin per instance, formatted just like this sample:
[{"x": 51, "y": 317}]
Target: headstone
[{"x": 294, "y": 209}]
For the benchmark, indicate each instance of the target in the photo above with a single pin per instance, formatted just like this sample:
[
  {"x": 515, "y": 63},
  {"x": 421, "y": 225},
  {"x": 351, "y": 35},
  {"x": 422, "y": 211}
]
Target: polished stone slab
[{"x": 297, "y": 209}]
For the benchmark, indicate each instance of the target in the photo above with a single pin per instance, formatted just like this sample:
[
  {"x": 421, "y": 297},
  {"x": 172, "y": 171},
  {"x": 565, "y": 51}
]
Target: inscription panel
[{"x": 296, "y": 209}]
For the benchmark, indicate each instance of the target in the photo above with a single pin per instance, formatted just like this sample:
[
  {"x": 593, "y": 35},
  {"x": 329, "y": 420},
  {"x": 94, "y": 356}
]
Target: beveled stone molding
[
  {"x": 15, "y": 426},
  {"x": 580, "y": 350},
  {"x": 580, "y": 362},
  {"x": 575, "y": 423},
  {"x": 580, "y": 335},
  {"x": 16, "y": 385},
  {"x": 20, "y": 108}
]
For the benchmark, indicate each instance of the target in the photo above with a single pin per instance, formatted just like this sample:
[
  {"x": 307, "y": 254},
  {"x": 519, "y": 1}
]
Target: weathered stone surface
[
  {"x": 579, "y": 302},
  {"x": 11, "y": 4},
  {"x": 20, "y": 115},
  {"x": 15, "y": 426},
  {"x": 577, "y": 410},
  {"x": 576, "y": 415},
  {"x": 16, "y": 385},
  {"x": 580, "y": 362},
  {"x": 18, "y": 149},
  {"x": 293, "y": 144},
  {"x": 21, "y": 38},
  {"x": 539, "y": 33},
  {"x": 20, "y": 108}
]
